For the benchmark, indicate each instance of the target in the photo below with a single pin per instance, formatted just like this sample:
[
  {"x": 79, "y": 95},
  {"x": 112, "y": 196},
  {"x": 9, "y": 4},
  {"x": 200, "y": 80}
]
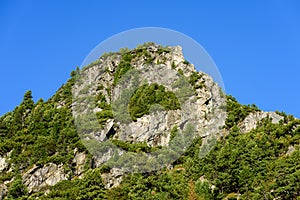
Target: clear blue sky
[{"x": 255, "y": 44}]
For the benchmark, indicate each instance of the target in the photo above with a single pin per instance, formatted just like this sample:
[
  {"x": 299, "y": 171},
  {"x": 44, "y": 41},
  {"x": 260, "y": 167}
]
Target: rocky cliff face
[
  {"x": 39, "y": 177},
  {"x": 203, "y": 104}
]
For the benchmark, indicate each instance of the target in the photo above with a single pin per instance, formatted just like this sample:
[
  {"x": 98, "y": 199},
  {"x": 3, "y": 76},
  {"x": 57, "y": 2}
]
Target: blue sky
[{"x": 255, "y": 44}]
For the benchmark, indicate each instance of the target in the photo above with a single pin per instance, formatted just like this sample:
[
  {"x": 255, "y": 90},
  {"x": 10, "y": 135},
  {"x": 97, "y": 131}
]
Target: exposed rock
[
  {"x": 112, "y": 179},
  {"x": 109, "y": 129},
  {"x": 3, "y": 191},
  {"x": 79, "y": 160},
  {"x": 202, "y": 107},
  {"x": 150, "y": 128},
  {"x": 251, "y": 121},
  {"x": 103, "y": 157},
  {"x": 3, "y": 163},
  {"x": 37, "y": 178},
  {"x": 290, "y": 150}
]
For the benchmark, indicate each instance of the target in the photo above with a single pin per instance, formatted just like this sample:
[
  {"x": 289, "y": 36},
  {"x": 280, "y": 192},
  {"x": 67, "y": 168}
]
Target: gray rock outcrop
[
  {"x": 113, "y": 178},
  {"x": 80, "y": 161},
  {"x": 3, "y": 163},
  {"x": 39, "y": 177},
  {"x": 252, "y": 120},
  {"x": 3, "y": 191}
]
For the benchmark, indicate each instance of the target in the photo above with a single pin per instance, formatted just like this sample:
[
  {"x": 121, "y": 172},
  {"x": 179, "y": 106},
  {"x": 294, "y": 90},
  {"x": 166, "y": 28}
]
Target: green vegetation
[
  {"x": 128, "y": 56},
  {"x": 39, "y": 133},
  {"x": 123, "y": 67},
  {"x": 261, "y": 164},
  {"x": 97, "y": 62},
  {"x": 174, "y": 132},
  {"x": 106, "y": 110},
  {"x": 186, "y": 62},
  {"x": 236, "y": 112},
  {"x": 180, "y": 72},
  {"x": 193, "y": 80},
  {"x": 254, "y": 165},
  {"x": 17, "y": 189},
  {"x": 161, "y": 185},
  {"x": 149, "y": 95},
  {"x": 173, "y": 65},
  {"x": 89, "y": 188},
  {"x": 36, "y": 134}
]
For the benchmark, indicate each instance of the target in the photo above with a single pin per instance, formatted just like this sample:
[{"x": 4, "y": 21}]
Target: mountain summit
[
  {"x": 145, "y": 124},
  {"x": 139, "y": 97}
]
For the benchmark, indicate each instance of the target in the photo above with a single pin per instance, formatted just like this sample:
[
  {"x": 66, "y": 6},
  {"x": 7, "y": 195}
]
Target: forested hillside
[{"x": 262, "y": 163}]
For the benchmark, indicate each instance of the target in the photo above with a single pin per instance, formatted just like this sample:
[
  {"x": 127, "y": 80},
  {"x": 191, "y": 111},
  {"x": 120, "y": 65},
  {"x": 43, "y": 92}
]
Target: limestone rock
[
  {"x": 79, "y": 160},
  {"x": 103, "y": 157},
  {"x": 112, "y": 179},
  {"x": 150, "y": 128},
  {"x": 3, "y": 191},
  {"x": 39, "y": 177},
  {"x": 3, "y": 163},
  {"x": 251, "y": 121}
]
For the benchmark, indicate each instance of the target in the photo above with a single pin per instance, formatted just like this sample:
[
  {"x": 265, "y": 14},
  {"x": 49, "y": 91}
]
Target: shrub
[{"x": 147, "y": 95}]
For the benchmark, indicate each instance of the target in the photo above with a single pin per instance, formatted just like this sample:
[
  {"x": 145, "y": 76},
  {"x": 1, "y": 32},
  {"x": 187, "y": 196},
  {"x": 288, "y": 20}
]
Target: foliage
[
  {"x": 106, "y": 110},
  {"x": 39, "y": 133},
  {"x": 89, "y": 188},
  {"x": 174, "y": 132},
  {"x": 148, "y": 95},
  {"x": 186, "y": 62},
  {"x": 160, "y": 185},
  {"x": 193, "y": 80},
  {"x": 97, "y": 62},
  {"x": 17, "y": 189},
  {"x": 261, "y": 164},
  {"x": 123, "y": 67},
  {"x": 128, "y": 56},
  {"x": 253, "y": 165},
  {"x": 236, "y": 112}
]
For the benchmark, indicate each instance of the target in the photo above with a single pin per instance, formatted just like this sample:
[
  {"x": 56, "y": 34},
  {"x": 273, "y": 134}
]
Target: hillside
[{"x": 177, "y": 137}]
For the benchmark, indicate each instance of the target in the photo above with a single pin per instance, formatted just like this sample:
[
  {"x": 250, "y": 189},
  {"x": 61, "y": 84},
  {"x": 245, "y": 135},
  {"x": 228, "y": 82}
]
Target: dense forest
[{"x": 261, "y": 164}]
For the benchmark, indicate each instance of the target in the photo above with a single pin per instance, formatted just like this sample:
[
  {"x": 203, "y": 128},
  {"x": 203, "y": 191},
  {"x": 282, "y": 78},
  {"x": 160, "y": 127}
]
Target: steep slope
[
  {"x": 50, "y": 150},
  {"x": 141, "y": 96}
]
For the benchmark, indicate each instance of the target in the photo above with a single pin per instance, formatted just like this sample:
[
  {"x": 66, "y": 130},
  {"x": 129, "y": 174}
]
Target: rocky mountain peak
[
  {"x": 119, "y": 82},
  {"x": 144, "y": 110}
]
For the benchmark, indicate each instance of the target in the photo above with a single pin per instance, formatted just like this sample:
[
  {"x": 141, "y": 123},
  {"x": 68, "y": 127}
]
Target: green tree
[{"x": 17, "y": 189}]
